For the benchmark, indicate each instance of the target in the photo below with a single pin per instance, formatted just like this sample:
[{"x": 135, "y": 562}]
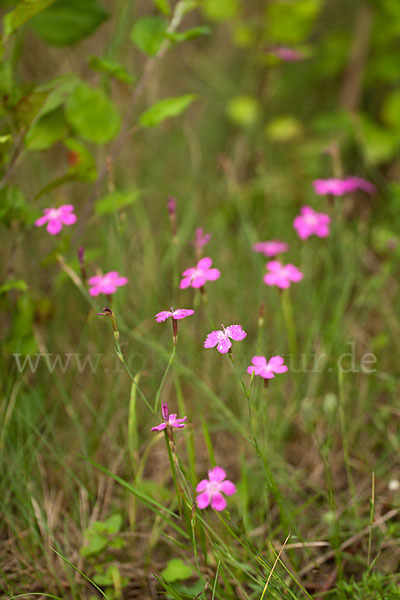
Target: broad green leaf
[
  {"x": 283, "y": 129},
  {"x": 220, "y": 10},
  {"x": 166, "y": 108},
  {"x": 177, "y": 570},
  {"x": 113, "y": 523},
  {"x": 189, "y": 34},
  {"x": 57, "y": 90},
  {"x": 47, "y": 130},
  {"x": 93, "y": 116},
  {"x": 5, "y": 138},
  {"x": 163, "y": 6},
  {"x": 104, "y": 65},
  {"x": 68, "y": 21},
  {"x": 148, "y": 34},
  {"x": 115, "y": 201},
  {"x": 243, "y": 110},
  {"x": 96, "y": 544},
  {"x": 13, "y": 284},
  {"x": 22, "y": 13}
]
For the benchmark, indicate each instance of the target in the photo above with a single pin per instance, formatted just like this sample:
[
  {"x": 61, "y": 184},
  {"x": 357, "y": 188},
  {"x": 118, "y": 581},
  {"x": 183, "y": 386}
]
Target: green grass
[{"x": 76, "y": 447}]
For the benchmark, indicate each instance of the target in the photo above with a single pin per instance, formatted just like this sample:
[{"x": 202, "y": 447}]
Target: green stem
[
  {"x": 287, "y": 310},
  {"x": 171, "y": 359}
]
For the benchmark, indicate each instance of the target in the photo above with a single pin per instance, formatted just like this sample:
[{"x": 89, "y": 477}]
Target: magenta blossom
[
  {"x": 197, "y": 276},
  {"x": 267, "y": 369},
  {"x": 201, "y": 239},
  {"x": 169, "y": 420},
  {"x": 179, "y": 313},
  {"x": 271, "y": 248},
  {"x": 106, "y": 284},
  {"x": 56, "y": 218},
  {"x": 281, "y": 275},
  {"x": 287, "y": 54},
  {"x": 211, "y": 489},
  {"x": 221, "y": 339},
  {"x": 310, "y": 222},
  {"x": 339, "y": 187}
]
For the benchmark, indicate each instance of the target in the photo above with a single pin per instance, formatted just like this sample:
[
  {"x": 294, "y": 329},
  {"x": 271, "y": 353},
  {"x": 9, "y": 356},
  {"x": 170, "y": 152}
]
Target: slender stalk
[
  {"x": 371, "y": 518},
  {"x": 343, "y": 431},
  {"x": 171, "y": 360},
  {"x": 287, "y": 310}
]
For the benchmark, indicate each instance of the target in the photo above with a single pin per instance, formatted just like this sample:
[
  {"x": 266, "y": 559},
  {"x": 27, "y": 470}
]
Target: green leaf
[
  {"x": 113, "y": 524},
  {"x": 291, "y": 23},
  {"x": 96, "y": 544},
  {"x": 115, "y": 201},
  {"x": 148, "y": 34},
  {"x": 283, "y": 129},
  {"x": 112, "y": 68},
  {"x": 13, "y": 284},
  {"x": 57, "y": 90},
  {"x": 93, "y": 116},
  {"x": 189, "y": 34},
  {"x": 220, "y": 10},
  {"x": 378, "y": 144},
  {"x": 166, "y": 108},
  {"x": 22, "y": 13},
  {"x": 69, "y": 21},
  {"x": 163, "y": 6},
  {"x": 243, "y": 110},
  {"x": 5, "y": 138},
  {"x": 46, "y": 131},
  {"x": 177, "y": 570}
]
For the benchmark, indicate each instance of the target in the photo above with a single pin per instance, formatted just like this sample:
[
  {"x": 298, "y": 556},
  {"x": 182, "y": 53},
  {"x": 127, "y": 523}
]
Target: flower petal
[
  {"x": 202, "y": 485},
  {"x": 204, "y": 264},
  {"x": 181, "y": 313},
  {"x": 259, "y": 361},
  {"x": 159, "y": 427},
  {"x": 213, "y": 274},
  {"x": 212, "y": 339},
  {"x": 185, "y": 283},
  {"x": 41, "y": 221},
  {"x": 203, "y": 500},
  {"x": 54, "y": 227},
  {"x": 228, "y": 487},
  {"x": 235, "y": 332},
  {"x": 163, "y": 315},
  {"x": 218, "y": 502},
  {"x": 224, "y": 345},
  {"x": 216, "y": 474}
]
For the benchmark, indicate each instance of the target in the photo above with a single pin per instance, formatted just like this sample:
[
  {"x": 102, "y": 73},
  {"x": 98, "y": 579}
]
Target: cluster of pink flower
[{"x": 307, "y": 223}]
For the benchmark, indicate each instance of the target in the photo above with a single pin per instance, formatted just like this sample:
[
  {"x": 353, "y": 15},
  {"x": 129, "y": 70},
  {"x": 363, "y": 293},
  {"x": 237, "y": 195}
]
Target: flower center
[
  {"x": 54, "y": 213},
  {"x": 213, "y": 487}
]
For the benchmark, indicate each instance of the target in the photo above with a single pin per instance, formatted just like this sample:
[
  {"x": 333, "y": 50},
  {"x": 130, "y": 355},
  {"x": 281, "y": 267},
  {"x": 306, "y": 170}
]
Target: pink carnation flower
[
  {"x": 339, "y": 187},
  {"x": 211, "y": 489},
  {"x": 106, "y": 284},
  {"x": 271, "y": 248},
  {"x": 310, "y": 222},
  {"x": 169, "y": 420},
  {"x": 201, "y": 239},
  {"x": 56, "y": 218},
  {"x": 281, "y": 275},
  {"x": 267, "y": 369},
  {"x": 179, "y": 313},
  {"x": 221, "y": 339},
  {"x": 197, "y": 276}
]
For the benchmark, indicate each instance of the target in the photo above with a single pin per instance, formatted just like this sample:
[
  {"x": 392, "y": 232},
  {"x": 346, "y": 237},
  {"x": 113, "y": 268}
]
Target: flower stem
[
  {"x": 287, "y": 310},
  {"x": 171, "y": 359}
]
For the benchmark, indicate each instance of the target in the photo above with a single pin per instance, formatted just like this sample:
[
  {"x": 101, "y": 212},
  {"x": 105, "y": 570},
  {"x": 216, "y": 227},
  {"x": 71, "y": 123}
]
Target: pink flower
[
  {"x": 310, "y": 222},
  {"x": 170, "y": 420},
  {"x": 56, "y": 218},
  {"x": 106, "y": 284},
  {"x": 171, "y": 207},
  {"x": 201, "y": 239},
  {"x": 281, "y": 275},
  {"x": 339, "y": 187},
  {"x": 211, "y": 489},
  {"x": 287, "y": 54},
  {"x": 179, "y": 313},
  {"x": 197, "y": 276},
  {"x": 267, "y": 369},
  {"x": 271, "y": 248},
  {"x": 221, "y": 339}
]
